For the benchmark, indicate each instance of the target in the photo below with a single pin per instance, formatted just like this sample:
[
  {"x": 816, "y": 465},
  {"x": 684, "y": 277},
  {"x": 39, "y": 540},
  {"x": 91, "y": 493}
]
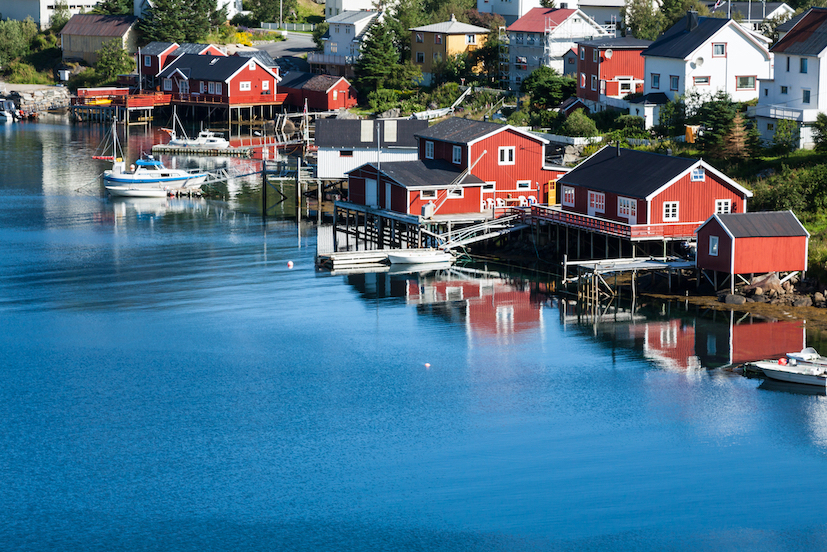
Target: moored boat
[
  {"x": 794, "y": 372},
  {"x": 416, "y": 256}
]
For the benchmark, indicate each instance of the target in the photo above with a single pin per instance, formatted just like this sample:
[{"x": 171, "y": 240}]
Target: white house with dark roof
[
  {"x": 704, "y": 55},
  {"x": 343, "y": 42},
  {"x": 345, "y": 144},
  {"x": 793, "y": 92},
  {"x": 751, "y": 14}
]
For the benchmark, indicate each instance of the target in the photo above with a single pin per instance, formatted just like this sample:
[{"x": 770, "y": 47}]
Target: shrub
[
  {"x": 382, "y": 100},
  {"x": 24, "y": 73},
  {"x": 579, "y": 124}
]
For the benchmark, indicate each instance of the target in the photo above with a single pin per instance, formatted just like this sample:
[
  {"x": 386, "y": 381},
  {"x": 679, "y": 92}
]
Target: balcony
[
  {"x": 635, "y": 232},
  {"x": 330, "y": 59}
]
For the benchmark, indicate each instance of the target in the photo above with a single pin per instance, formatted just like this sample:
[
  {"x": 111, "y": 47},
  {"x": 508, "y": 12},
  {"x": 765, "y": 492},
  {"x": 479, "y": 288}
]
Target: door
[
  {"x": 388, "y": 196},
  {"x": 597, "y": 203},
  {"x": 371, "y": 195}
]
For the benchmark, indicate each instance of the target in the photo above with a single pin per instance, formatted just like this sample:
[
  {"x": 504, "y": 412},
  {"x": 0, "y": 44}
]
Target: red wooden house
[
  {"x": 155, "y": 56},
  {"x": 322, "y": 92},
  {"x": 752, "y": 243},
  {"x": 610, "y": 67},
  {"x": 644, "y": 196},
  {"x": 219, "y": 79},
  {"x": 464, "y": 166}
]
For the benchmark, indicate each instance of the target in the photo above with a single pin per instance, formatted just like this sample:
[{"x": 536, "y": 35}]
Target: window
[
  {"x": 673, "y": 82},
  {"x": 211, "y": 88},
  {"x": 251, "y": 66},
  {"x": 582, "y": 53},
  {"x": 803, "y": 65},
  {"x": 627, "y": 207},
  {"x": 507, "y": 155},
  {"x": 429, "y": 150},
  {"x": 594, "y": 55},
  {"x": 147, "y": 61},
  {"x": 456, "y": 192},
  {"x": 788, "y": 64},
  {"x": 347, "y": 29},
  {"x": 625, "y": 86},
  {"x": 766, "y": 92},
  {"x": 522, "y": 63},
  {"x": 457, "y": 155},
  {"x": 428, "y": 194},
  {"x": 244, "y": 85},
  {"x": 470, "y": 39},
  {"x": 437, "y": 39},
  {"x": 805, "y": 96},
  {"x": 770, "y": 126},
  {"x": 524, "y": 184},
  {"x": 202, "y": 87},
  {"x": 698, "y": 174},
  {"x": 333, "y": 47},
  {"x": 519, "y": 38},
  {"x": 701, "y": 81},
  {"x": 568, "y": 196},
  {"x": 419, "y": 38},
  {"x": 345, "y": 153},
  {"x": 713, "y": 246},
  {"x": 655, "y": 81},
  {"x": 670, "y": 211},
  {"x": 582, "y": 80},
  {"x": 218, "y": 88},
  {"x": 420, "y": 57},
  {"x": 265, "y": 84},
  {"x": 488, "y": 187},
  {"x": 745, "y": 83},
  {"x": 594, "y": 82},
  {"x": 168, "y": 85},
  {"x": 719, "y": 50},
  {"x": 722, "y": 206},
  {"x": 337, "y": 28},
  {"x": 784, "y": 90},
  {"x": 335, "y": 95},
  {"x": 437, "y": 57},
  {"x": 597, "y": 202}
]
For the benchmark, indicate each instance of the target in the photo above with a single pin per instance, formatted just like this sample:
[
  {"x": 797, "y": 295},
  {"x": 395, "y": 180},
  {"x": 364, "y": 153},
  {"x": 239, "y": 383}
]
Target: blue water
[{"x": 168, "y": 383}]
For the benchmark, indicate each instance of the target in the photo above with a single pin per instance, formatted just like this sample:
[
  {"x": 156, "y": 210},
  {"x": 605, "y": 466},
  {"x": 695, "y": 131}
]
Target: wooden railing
[
  {"x": 612, "y": 227},
  {"x": 235, "y": 99}
]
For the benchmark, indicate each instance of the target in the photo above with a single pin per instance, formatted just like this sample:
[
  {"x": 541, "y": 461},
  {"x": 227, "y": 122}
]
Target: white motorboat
[
  {"x": 206, "y": 139},
  {"x": 794, "y": 372},
  {"x": 808, "y": 354},
  {"x": 7, "y": 111},
  {"x": 417, "y": 256}
]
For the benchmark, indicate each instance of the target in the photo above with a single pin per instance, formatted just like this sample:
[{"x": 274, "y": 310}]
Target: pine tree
[
  {"x": 642, "y": 19},
  {"x": 379, "y": 59},
  {"x": 735, "y": 141},
  {"x": 164, "y": 23},
  {"x": 113, "y": 60},
  {"x": 114, "y": 7},
  {"x": 754, "y": 144}
]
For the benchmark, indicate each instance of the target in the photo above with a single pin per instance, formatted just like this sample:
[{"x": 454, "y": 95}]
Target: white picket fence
[{"x": 301, "y": 27}]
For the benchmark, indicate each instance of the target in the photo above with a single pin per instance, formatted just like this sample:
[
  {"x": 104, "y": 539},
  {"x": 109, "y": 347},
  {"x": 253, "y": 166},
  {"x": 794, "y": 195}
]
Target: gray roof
[
  {"x": 652, "y": 98},
  {"x": 679, "y": 42},
  {"x": 424, "y": 173},
  {"x": 347, "y": 133},
  {"x": 620, "y": 42},
  {"x": 808, "y": 37},
  {"x": 190, "y": 48},
  {"x": 351, "y": 17},
  {"x": 744, "y": 9},
  {"x": 459, "y": 130},
  {"x": 632, "y": 173},
  {"x": 156, "y": 48},
  {"x": 763, "y": 224},
  {"x": 264, "y": 57},
  {"x": 214, "y": 68},
  {"x": 790, "y": 23},
  {"x": 99, "y": 25},
  {"x": 452, "y": 27}
]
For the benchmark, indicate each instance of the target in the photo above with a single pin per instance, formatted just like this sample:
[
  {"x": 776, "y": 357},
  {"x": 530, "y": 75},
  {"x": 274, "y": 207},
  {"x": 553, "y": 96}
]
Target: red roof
[{"x": 537, "y": 19}]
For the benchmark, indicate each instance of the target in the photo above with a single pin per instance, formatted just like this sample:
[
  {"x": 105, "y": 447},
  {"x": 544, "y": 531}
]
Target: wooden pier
[{"x": 245, "y": 151}]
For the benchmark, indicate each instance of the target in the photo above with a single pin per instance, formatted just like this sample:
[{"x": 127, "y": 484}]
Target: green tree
[
  {"x": 15, "y": 38},
  {"x": 716, "y": 116},
  {"x": 486, "y": 60},
  {"x": 579, "y": 124},
  {"x": 60, "y": 16},
  {"x": 671, "y": 118},
  {"x": 113, "y": 7},
  {"x": 318, "y": 34},
  {"x": 642, "y": 19},
  {"x": 407, "y": 76},
  {"x": 785, "y": 138},
  {"x": 547, "y": 88},
  {"x": 379, "y": 59},
  {"x": 754, "y": 144},
  {"x": 452, "y": 69},
  {"x": 550, "y": 4},
  {"x": 113, "y": 60},
  {"x": 164, "y": 22},
  {"x": 269, "y": 11},
  {"x": 820, "y": 132},
  {"x": 406, "y": 15},
  {"x": 675, "y": 10}
]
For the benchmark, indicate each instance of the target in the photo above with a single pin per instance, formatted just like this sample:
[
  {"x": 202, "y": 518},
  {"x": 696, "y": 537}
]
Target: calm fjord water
[{"x": 166, "y": 383}]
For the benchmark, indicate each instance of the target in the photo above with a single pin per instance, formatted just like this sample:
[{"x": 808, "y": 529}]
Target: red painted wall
[
  {"x": 623, "y": 63},
  {"x": 760, "y": 340},
  {"x": 696, "y": 199},
  {"x": 770, "y": 254},
  {"x": 704, "y": 260}
]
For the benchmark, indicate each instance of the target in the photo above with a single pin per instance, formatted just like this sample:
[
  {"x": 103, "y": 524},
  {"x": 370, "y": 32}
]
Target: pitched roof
[
  {"x": 452, "y": 27},
  {"x": 652, "y": 98},
  {"x": 745, "y": 9},
  {"x": 352, "y": 17},
  {"x": 536, "y": 20},
  {"x": 790, "y": 23},
  {"x": 264, "y": 57},
  {"x": 155, "y": 48},
  {"x": 467, "y": 131},
  {"x": 347, "y": 133},
  {"x": 808, "y": 37},
  {"x": 617, "y": 43},
  {"x": 424, "y": 173},
  {"x": 214, "y": 68},
  {"x": 679, "y": 42},
  {"x": 762, "y": 224},
  {"x": 632, "y": 173},
  {"x": 99, "y": 25},
  {"x": 190, "y": 48}
]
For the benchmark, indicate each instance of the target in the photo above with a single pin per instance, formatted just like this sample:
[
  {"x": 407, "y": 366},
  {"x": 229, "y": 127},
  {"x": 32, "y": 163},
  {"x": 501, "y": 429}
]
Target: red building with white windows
[
  {"x": 219, "y": 79},
  {"x": 321, "y": 92},
  {"x": 652, "y": 196},
  {"x": 610, "y": 68},
  {"x": 464, "y": 166},
  {"x": 155, "y": 56}
]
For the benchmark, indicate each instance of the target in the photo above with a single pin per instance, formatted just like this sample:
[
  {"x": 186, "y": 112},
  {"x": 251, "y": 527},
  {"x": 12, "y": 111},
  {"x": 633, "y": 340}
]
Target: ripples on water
[{"x": 167, "y": 383}]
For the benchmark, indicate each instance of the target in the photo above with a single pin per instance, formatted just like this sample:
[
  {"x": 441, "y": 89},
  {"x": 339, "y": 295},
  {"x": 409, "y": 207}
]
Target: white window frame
[
  {"x": 265, "y": 84},
  {"x": 456, "y": 193},
  {"x": 671, "y": 211},
  {"x": 202, "y": 86},
  {"x": 470, "y": 39},
  {"x": 210, "y": 87},
  {"x": 698, "y": 174},
  {"x": 456, "y": 155},
  {"x": 218, "y": 88},
  {"x": 251, "y": 66},
  {"x": 524, "y": 184},
  {"x": 167, "y": 85},
  {"x": 567, "y": 196},
  {"x": 594, "y": 83},
  {"x": 507, "y": 155},
  {"x": 655, "y": 81},
  {"x": 427, "y": 194},
  {"x": 147, "y": 61},
  {"x": 716, "y": 47},
  {"x": 429, "y": 150},
  {"x": 713, "y": 246},
  {"x": 723, "y": 206},
  {"x": 674, "y": 82},
  {"x": 245, "y": 86},
  {"x": 420, "y": 38},
  {"x": 335, "y": 95},
  {"x": 806, "y": 96},
  {"x": 627, "y": 207},
  {"x": 597, "y": 201}
]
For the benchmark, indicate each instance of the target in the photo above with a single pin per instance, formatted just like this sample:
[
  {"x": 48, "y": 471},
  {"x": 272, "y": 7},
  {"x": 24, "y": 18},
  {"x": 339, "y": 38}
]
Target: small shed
[
  {"x": 85, "y": 34},
  {"x": 322, "y": 92},
  {"x": 751, "y": 243}
]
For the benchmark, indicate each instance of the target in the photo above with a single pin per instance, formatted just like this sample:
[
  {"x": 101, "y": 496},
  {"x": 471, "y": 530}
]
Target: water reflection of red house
[{"x": 488, "y": 306}]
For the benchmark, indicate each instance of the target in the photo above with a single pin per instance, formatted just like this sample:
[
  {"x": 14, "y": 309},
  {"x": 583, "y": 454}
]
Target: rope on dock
[{"x": 86, "y": 188}]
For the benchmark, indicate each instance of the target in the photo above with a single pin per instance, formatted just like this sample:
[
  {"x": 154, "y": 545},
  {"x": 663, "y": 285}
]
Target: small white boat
[
  {"x": 206, "y": 139},
  {"x": 417, "y": 256},
  {"x": 808, "y": 354},
  {"x": 794, "y": 372},
  {"x": 148, "y": 178}
]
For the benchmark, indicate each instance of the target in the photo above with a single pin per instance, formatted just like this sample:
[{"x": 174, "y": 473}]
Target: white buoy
[{"x": 289, "y": 264}]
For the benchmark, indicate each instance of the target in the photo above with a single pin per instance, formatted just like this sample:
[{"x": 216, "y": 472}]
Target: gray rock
[
  {"x": 732, "y": 299},
  {"x": 393, "y": 113},
  {"x": 804, "y": 301},
  {"x": 759, "y": 291},
  {"x": 818, "y": 297}
]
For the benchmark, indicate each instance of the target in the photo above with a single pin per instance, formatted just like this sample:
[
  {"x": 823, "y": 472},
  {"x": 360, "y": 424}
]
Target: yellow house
[{"x": 433, "y": 43}]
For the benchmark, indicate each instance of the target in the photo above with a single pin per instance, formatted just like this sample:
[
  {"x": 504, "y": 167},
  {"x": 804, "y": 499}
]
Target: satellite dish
[
  {"x": 609, "y": 53},
  {"x": 699, "y": 61}
]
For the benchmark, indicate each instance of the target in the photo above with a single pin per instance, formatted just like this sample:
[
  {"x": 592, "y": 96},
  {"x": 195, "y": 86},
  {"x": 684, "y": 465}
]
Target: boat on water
[
  {"x": 417, "y": 256},
  {"x": 206, "y": 139},
  {"x": 7, "y": 111},
  {"x": 790, "y": 369}
]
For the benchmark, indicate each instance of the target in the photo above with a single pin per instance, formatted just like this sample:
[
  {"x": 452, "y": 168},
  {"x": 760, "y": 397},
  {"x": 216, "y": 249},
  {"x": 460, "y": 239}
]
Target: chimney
[
  {"x": 617, "y": 148},
  {"x": 453, "y": 18},
  {"x": 691, "y": 20}
]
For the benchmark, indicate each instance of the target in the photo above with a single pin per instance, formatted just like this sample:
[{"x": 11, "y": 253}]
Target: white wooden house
[{"x": 343, "y": 42}]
